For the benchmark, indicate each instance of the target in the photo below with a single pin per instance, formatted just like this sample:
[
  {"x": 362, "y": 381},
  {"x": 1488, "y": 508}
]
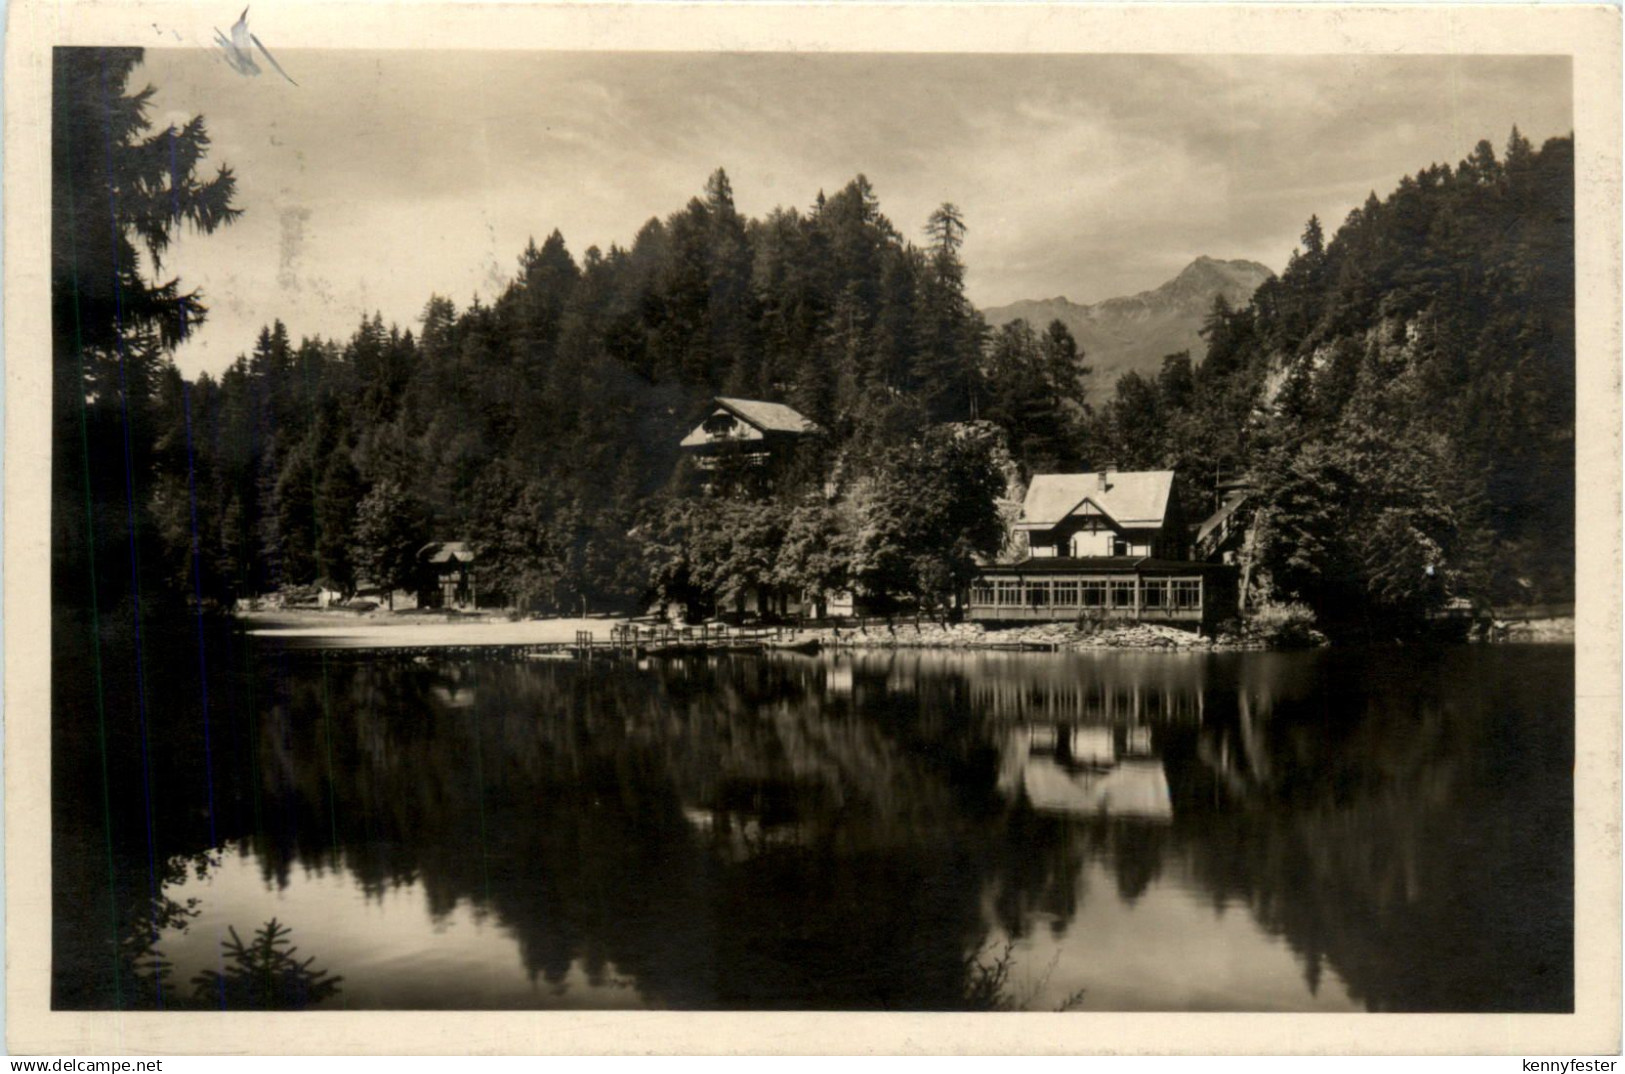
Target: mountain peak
[
  {"x": 1205, "y": 268},
  {"x": 1135, "y": 332}
]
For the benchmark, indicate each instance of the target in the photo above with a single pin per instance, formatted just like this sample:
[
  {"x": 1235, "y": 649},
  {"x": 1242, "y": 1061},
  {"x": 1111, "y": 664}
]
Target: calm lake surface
[{"x": 1339, "y": 830}]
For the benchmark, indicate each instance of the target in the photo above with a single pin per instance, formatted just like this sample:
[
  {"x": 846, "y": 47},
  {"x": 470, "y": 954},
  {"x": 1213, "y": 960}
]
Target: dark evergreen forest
[{"x": 1401, "y": 397}]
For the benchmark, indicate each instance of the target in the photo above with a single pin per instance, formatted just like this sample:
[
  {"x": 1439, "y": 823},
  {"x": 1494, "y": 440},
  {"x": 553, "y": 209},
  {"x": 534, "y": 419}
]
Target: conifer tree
[{"x": 119, "y": 191}]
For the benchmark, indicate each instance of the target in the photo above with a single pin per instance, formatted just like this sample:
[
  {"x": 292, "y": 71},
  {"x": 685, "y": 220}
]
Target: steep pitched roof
[
  {"x": 446, "y": 552},
  {"x": 769, "y": 417},
  {"x": 1128, "y": 498},
  {"x": 1216, "y": 519}
]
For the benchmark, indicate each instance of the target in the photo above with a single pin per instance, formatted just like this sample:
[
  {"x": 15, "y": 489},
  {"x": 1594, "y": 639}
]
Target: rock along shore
[{"x": 1054, "y": 636}]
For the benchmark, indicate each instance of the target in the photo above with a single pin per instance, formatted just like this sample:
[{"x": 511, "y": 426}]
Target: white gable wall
[
  {"x": 1098, "y": 543},
  {"x": 1102, "y": 538}
]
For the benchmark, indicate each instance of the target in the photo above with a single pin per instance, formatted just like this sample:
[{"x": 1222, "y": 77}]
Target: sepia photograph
[{"x": 546, "y": 528}]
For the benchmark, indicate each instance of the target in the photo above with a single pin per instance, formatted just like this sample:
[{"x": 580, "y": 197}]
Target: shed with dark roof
[{"x": 447, "y": 575}]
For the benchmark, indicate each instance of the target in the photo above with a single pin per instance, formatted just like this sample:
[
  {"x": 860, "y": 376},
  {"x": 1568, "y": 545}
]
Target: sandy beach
[{"x": 340, "y": 630}]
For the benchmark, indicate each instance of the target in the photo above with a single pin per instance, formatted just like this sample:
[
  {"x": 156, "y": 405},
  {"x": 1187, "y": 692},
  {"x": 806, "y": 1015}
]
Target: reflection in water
[
  {"x": 1386, "y": 831},
  {"x": 1086, "y": 770}
]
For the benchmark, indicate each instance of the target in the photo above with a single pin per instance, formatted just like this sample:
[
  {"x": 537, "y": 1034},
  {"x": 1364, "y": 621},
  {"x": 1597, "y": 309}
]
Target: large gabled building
[
  {"x": 1108, "y": 545},
  {"x": 1108, "y": 513}
]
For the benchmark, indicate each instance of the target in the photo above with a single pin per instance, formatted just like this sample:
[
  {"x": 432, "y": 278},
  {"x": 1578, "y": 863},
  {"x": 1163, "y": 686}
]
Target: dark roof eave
[
  {"x": 769, "y": 439},
  {"x": 1102, "y": 565}
]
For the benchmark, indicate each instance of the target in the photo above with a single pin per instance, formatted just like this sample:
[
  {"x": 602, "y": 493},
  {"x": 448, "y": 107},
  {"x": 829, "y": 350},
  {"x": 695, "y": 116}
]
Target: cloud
[{"x": 386, "y": 177}]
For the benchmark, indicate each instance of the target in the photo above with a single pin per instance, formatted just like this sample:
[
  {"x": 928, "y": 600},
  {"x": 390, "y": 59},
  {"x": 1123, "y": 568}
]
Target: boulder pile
[{"x": 1057, "y": 636}]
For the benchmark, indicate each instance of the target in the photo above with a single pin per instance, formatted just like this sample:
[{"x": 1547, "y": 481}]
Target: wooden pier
[{"x": 667, "y": 640}]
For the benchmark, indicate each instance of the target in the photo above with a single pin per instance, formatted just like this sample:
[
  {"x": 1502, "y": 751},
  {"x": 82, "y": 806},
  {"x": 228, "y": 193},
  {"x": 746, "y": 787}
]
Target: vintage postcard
[{"x": 773, "y": 528}]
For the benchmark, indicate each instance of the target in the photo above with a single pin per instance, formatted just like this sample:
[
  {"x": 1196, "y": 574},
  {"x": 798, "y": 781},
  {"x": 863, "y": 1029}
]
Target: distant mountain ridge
[{"x": 1135, "y": 332}]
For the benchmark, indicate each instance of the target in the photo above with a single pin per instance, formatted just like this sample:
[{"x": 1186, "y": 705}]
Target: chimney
[{"x": 1106, "y": 470}]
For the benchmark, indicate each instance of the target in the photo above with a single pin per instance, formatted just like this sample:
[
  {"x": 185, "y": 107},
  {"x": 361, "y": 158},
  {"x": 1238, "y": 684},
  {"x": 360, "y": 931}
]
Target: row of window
[{"x": 1177, "y": 593}]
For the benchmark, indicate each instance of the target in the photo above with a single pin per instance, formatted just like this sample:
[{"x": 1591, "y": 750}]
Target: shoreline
[
  {"x": 382, "y": 630},
  {"x": 1552, "y": 630},
  {"x": 419, "y": 630},
  {"x": 338, "y": 629}
]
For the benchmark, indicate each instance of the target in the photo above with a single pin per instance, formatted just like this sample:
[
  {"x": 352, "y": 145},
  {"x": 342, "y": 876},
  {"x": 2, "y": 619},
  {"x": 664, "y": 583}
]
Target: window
[
  {"x": 1188, "y": 593},
  {"x": 721, "y": 425},
  {"x": 981, "y": 593},
  {"x": 1154, "y": 593},
  {"x": 1038, "y": 594},
  {"x": 1009, "y": 594},
  {"x": 1123, "y": 594},
  {"x": 1094, "y": 594},
  {"x": 1066, "y": 595},
  {"x": 1119, "y": 547}
]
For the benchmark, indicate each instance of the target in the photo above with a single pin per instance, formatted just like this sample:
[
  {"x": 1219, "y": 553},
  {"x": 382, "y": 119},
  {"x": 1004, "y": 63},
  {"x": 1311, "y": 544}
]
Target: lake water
[{"x": 1339, "y": 830}]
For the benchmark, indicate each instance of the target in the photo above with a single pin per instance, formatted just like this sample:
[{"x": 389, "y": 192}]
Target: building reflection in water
[
  {"x": 1079, "y": 739},
  {"x": 1085, "y": 771},
  {"x": 853, "y": 832}
]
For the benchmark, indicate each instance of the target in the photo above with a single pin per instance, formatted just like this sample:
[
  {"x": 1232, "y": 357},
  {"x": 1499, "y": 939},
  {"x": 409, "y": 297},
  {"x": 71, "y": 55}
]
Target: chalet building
[
  {"x": 1108, "y": 545},
  {"x": 750, "y": 440},
  {"x": 748, "y": 431},
  {"x": 1110, "y": 513}
]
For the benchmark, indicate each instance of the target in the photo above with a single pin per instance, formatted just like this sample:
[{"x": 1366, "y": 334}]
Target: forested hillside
[
  {"x": 1401, "y": 397},
  {"x": 543, "y": 427}
]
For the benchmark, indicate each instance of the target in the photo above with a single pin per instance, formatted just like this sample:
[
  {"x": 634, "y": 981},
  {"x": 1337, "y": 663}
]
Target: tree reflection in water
[{"x": 868, "y": 832}]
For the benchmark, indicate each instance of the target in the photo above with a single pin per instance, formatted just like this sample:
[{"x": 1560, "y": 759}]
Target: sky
[{"x": 382, "y": 178}]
